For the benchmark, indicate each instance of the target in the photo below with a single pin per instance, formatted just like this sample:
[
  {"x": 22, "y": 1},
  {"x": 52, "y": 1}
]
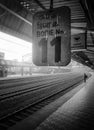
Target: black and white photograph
[{"x": 46, "y": 64}]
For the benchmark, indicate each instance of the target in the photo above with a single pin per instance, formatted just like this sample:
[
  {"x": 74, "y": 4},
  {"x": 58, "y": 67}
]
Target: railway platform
[{"x": 75, "y": 113}]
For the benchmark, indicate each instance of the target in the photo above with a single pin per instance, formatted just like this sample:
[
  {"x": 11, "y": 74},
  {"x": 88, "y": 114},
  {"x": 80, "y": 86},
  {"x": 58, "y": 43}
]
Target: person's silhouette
[{"x": 85, "y": 77}]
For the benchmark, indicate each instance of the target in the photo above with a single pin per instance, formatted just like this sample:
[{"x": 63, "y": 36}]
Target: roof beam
[
  {"x": 82, "y": 20},
  {"x": 40, "y": 4},
  {"x": 15, "y": 14},
  {"x": 88, "y": 9},
  {"x": 51, "y": 4},
  {"x": 84, "y": 6}
]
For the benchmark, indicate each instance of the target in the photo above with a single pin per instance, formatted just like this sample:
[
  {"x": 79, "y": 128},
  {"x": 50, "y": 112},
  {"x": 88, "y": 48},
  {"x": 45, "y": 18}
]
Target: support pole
[{"x": 51, "y": 4}]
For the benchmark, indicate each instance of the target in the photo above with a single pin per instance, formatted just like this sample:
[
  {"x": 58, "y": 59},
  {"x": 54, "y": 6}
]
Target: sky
[{"x": 14, "y": 48}]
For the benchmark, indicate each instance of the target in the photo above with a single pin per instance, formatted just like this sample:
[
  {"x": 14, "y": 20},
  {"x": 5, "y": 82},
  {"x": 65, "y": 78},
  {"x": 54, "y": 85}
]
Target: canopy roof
[{"x": 16, "y": 19}]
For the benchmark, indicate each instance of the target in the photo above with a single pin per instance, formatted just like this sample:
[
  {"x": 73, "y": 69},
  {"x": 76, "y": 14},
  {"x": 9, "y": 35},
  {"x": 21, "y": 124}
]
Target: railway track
[
  {"x": 23, "y": 80},
  {"x": 35, "y": 86},
  {"x": 11, "y": 119},
  {"x": 16, "y": 82},
  {"x": 17, "y": 97}
]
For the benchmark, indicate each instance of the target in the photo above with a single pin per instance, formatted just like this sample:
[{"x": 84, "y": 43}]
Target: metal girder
[
  {"x": 40, "y": 4},
  {"x": 15, "y": 14},
  {"x": 85, "y": 8},
  {"x": 51, "y": 4},
  {"x": 82, "y": 58},
  {"x": 90, "y": 8}
]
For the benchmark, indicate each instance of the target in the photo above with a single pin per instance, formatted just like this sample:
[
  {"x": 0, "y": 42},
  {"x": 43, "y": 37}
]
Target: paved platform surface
[{"x": 76, "y": 113}]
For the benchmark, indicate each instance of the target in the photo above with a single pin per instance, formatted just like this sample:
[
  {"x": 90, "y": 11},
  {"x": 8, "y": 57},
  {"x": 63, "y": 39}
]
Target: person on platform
[{"x": 85, "y": 77}]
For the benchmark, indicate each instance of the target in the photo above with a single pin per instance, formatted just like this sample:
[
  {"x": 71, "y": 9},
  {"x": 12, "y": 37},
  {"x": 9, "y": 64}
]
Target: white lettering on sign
[{"x": 52, "y": 26}]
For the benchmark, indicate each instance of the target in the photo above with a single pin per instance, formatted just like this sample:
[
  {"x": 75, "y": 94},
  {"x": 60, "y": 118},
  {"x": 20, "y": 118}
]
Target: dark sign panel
[
  {"x": 51, "y": 37},
  {"x": 78, "y": 41}
]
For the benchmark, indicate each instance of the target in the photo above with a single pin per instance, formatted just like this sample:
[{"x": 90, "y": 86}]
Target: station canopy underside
[{"x": 16, "y": 19}]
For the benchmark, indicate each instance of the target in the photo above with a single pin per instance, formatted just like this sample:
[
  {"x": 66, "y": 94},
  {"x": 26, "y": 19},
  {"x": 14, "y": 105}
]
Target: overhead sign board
[
  {"x": 51, "y": 37},
  {"x": 78, "y": 41}
]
